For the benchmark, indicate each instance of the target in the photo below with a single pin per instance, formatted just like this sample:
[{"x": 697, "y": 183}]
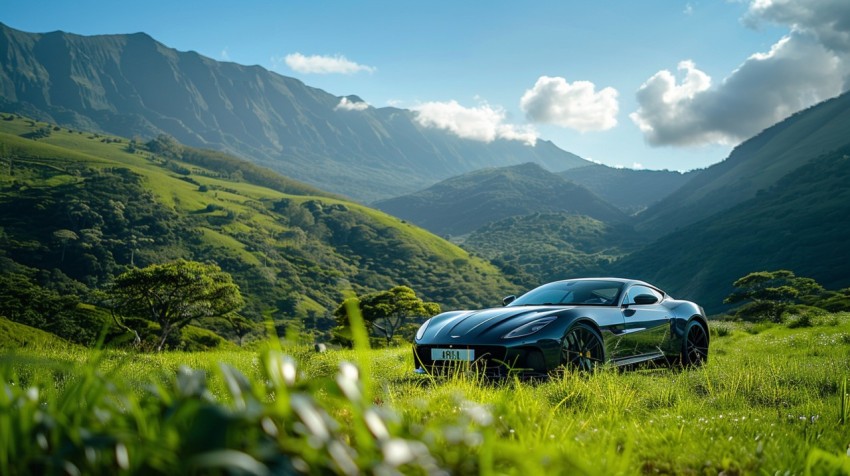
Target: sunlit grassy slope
[
  {"x": 771, "y": 400},
  {"x": 19, "y": 336},
  {"x": 292, "y": 248}
]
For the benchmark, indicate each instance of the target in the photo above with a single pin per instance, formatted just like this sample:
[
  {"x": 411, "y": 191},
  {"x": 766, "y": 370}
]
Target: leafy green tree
[
  {"x": 174, "y": 294},
  {"x": 835, "y": 301},
  {"x": 166, "y": 146},
  {"x": 24, "y": 299},
  {"x": 133, "y": 242},
  {"x": 385, "y": 312},
  {"x": 768, "y": 294},
  {"x": 64, "y": 236}
]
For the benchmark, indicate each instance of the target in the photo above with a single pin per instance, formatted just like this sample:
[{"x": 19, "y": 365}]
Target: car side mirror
[
  {"x": 508, "y": 299},
  {"x": 645, "y": 299}
]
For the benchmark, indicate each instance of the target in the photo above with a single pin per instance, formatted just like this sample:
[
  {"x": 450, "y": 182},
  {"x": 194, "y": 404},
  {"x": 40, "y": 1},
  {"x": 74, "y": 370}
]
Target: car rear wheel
[
  {"x": 582, "y": 349},
  {"x": 695, "y": 346}
]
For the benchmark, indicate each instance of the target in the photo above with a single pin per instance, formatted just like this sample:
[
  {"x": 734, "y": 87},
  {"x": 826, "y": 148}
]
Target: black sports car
[{"x": 576, "y": 323}]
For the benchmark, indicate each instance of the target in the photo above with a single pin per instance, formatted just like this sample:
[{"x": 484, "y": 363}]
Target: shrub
[
  {"x": 803, "y": 316},
  {"x": 720, "y": 328}
]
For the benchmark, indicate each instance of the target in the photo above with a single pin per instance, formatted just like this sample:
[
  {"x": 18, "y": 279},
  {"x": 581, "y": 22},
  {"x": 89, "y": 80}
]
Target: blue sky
[{"x": 645, "y": 84}]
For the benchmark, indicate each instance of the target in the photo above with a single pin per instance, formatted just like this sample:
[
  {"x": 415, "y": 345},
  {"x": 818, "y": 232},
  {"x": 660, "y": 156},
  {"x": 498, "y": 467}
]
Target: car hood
[{"x": 466, "y": 325}]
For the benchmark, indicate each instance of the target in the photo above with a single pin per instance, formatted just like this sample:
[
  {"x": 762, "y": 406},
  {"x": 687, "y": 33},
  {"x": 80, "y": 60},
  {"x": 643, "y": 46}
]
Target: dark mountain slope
[
  {"x": 800, "y": 224},
  {"x": 755, "y": 165},
  {"x": 132, "y": 85},
  {"x": 629, "y": 190},
  {"x": 462, "y": 204}
]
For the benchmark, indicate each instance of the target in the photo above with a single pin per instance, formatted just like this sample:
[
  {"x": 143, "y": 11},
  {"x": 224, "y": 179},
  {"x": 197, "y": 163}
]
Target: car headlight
[
  {"x": 529, "y": 328},
  {"x": 421, "y": 332}
]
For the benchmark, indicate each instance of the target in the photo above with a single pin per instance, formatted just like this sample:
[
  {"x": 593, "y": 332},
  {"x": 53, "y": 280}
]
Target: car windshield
[{"x": 580, "y": 292}]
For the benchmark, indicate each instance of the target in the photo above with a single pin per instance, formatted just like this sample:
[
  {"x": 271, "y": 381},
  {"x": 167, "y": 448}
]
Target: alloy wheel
[{"x": 582, "y": 349}]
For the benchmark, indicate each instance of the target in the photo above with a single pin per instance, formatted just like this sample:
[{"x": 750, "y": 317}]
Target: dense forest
[{"x": 542, "y": 247}]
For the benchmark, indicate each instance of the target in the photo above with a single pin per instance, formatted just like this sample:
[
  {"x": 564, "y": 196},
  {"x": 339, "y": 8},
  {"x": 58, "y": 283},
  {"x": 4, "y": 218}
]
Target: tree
[
  {"x": 174, "y": 294},
  {"x": 165, "y": 146},
  {"x": 768, "y": 294},
  {"x": 385, "y": 312},
  {"x": 836, "y": 301},
  {"x": 24, "y": 300},
  {"x": 133, "y": 241},
  {"x": 63, "y": 237}
]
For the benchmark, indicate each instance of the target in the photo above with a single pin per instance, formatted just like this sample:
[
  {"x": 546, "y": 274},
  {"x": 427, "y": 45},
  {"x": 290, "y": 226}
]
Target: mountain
[
  {"x": 629, "y": 190},
  {"x": 464, "y": 203},
  {"x": 755, "y": 165},
  {"x": 132, "y": 85},
  {"x": 799, "y": 224},
  {"x": 78, "y": 208}
]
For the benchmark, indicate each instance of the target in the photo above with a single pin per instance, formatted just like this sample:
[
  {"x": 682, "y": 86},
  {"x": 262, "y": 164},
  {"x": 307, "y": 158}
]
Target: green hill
[
  {"x": 755, "y": 165},
  {"x": 77, "y": 208},
  {"x": 14, "y": 336},
  {"x": 542, "y": 247},
  {"x": 464, "y": 203},
  {"x": 800, "y": 224}
]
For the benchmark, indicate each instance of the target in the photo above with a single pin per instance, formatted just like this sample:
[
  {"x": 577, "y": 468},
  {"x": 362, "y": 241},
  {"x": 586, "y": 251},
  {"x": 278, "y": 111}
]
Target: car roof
[
  {"x": 617, "y": 280},
  {"x": 626, "y": 281}
]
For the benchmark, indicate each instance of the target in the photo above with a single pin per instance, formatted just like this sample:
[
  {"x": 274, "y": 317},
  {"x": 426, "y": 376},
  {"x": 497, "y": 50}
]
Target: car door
[{"x": 647, "y": 325}]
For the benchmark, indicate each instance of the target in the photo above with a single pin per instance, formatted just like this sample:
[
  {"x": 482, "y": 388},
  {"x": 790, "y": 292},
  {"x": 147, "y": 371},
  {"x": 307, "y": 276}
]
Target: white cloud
[
  {"x": 637, "y": 166},
  {"x": 346, "y": 105},
  {"x": 322, "y": 64},
  {"x": 796, "y": 73},
  {"x": 809, "y": 65},
  {"x": 827, "y": 20},
  {"x": 575, "y": 106},
  {"x": 225, "y": 54},
  {"x": 483, "y": 123}
]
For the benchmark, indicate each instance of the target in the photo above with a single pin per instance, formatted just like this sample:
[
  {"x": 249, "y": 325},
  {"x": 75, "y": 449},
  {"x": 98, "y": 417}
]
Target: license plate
[{"x": 463, "y": 355}]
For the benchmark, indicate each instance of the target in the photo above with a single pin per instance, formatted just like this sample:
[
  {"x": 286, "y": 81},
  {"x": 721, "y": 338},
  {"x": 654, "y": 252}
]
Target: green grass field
[{"x": 772, "y": 400}]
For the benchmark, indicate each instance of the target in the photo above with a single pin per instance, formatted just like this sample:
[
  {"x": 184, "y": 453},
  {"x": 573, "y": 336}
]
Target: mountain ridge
[
  {"x": 133, "y": 85},
  {"x": 628, "y": 189},
  {"x": 799, "y": 224}
]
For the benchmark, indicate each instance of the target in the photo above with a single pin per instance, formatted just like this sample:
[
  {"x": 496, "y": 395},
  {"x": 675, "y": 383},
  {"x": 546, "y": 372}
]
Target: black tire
[
  {"x": 695, "y": 345},
  {"x": 582, "y": 348}
]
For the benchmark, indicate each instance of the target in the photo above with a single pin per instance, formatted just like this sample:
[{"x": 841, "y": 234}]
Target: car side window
[{"x": 638, "y": 290}]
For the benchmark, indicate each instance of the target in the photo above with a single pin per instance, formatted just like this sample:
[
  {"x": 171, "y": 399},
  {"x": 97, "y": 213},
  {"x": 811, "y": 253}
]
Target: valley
[{"x": 211, "y": 264}]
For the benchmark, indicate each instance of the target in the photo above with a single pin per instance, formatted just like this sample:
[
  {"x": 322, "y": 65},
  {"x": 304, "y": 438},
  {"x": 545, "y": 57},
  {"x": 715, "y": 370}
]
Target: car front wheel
[{"x": 582, "y": 348}]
